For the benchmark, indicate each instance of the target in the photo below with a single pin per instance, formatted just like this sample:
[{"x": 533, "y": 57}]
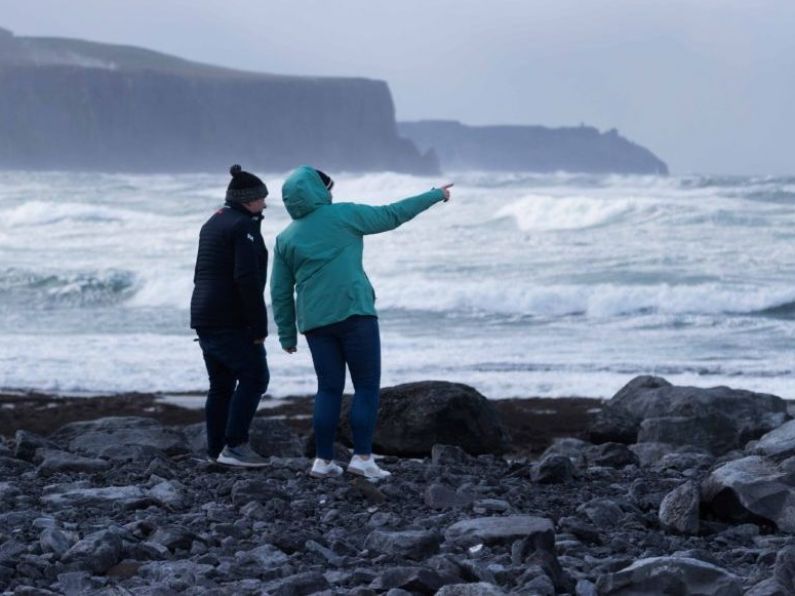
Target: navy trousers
[
  {"x": 354, "y": 342},
  {"x": 239, "y": 376}
]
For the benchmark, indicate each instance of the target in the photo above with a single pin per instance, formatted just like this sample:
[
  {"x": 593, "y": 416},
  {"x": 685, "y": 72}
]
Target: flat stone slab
[
  {"x": 489, "y": 530},
  {"x": 670, "y": 575},
  {"x": 110, "y": 495},
  {"x": 55, "y": 462}
]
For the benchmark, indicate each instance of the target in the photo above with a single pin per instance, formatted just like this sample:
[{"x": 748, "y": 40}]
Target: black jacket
[{"x": 231, "y": 269}]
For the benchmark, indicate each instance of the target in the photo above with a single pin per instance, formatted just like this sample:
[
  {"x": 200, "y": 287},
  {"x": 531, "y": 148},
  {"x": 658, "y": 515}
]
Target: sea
[{"x": 522, "y": 285}]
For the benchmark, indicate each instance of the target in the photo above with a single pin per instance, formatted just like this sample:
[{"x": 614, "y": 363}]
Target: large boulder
[
  {"x": 751, "y": 489},
  {"x": 670, "y": 575},
  {"x": 267, "y": 436},
  {"x": 749, "y": 414},
  {"x": 778, "y": 444},
  {"x": 118, "y": 433},
  {"x": 716, "y": 433},
  {"x": 412, "y": 418}
]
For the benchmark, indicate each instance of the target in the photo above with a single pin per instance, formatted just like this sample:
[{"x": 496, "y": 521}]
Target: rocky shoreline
[{"x": 660, "y": 490}]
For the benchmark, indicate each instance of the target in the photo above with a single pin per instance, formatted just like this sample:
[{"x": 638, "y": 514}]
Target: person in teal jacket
[{"x": 318, "y": 285}]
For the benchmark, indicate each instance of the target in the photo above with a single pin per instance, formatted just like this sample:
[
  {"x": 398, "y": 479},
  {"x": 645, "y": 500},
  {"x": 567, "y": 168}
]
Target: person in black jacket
[{"x": 227, "y": 310}]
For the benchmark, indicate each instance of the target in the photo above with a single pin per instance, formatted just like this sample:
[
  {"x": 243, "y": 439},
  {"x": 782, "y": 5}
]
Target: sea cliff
[
  {"x": 70, "y": 104},
  {"x": 531, "y": 148}
]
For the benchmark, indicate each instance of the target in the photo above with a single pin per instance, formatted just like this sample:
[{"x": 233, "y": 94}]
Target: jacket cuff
[{"x": 288, "y": 342}]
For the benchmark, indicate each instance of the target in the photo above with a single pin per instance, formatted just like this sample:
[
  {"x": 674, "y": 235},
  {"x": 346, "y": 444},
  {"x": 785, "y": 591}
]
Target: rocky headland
[
  {"x": 659, "y": 490},
  {"x": 70, "y": 104},
  {"x": 514, "y": 148},
  {"x": 76, "y": 105}
]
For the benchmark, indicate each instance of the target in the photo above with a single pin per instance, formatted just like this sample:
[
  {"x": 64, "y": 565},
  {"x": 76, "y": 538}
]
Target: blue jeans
[
  {"x": 354, "y": 342},
  {"x": 238, "y": 371}
]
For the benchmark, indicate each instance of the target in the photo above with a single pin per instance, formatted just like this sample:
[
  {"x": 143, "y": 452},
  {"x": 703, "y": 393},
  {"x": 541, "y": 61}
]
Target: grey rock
[
  {"x": 769, "y": 587},
  {"x": 538, "y": 550},
  {"x": 481, "y": 506},
  {"x": 8, "y": 490},
  {"x": 149, "y": 551},
  {"x": 614, "y": 455},
  {"x": 259, "y": 490},
  {"x": 174, "y": 575},
  {"x": 553, "y": 469},
  {"x": 570, "y": 447},
  {"x": 679, "y": 509},
  {"x": 329, "y": 555},
  {"x": 490, "y": 530},
  {"x": 76, "y": 583},
  {"x": 449, "y": 455},
  {"x": 687, "y": 460},
  {"x": 670, "y": 575},
  {"x": 168, "y": 493},
  {"x": 127, "y": 496},
  {"x": 784, "y": 569},
  {"x": 27, "y": 443},
  {"x": 270, "y": 437},
  {"x": 10, "y": 550},
  {"x": 752, "y": 414},
  {"x": 540, "y": 585},
  {"x": 602, "y": 512},
  {"x": 412, "y": 579},
  {"x": 173, "y": 537},
  {"x": 265, "y": 556},
  {"x": 61, "y": 462},
  {"x": 414, "y": 417},
  {"x": 95, "y": 437},
  {"x": 11, "y": 466},
  {"x": 585, "y": 587},
  {"x": 96, "y": 553},
  {"x": 651, "y": 452},
  {"x": 297, "y": 585},
  {"x": 716, "y": 432},
  {"x": 779, "y": 443},
  {"x": 439, "y": 496},
  {"x": 54, "y": 540},
  {"x": 412, "y": 544},
  {"x": 474, "y": 589},
  {"x": 750, "y": 488}
]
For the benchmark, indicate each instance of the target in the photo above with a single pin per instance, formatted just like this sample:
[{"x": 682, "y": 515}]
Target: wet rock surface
[{"x": 580, "y": 518}]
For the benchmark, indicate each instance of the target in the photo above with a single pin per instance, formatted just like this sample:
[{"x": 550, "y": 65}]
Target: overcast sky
[{"x": 708, "y": 85}]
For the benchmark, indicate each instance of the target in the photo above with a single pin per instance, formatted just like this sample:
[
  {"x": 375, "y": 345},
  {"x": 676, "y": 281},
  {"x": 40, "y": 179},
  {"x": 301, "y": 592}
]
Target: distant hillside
[
  {"x": 71, "y": 104},
  {"x": 531, "y": 148}
]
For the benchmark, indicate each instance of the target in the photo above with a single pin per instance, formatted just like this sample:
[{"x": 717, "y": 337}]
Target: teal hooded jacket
[{"x": 318, "y": 277}]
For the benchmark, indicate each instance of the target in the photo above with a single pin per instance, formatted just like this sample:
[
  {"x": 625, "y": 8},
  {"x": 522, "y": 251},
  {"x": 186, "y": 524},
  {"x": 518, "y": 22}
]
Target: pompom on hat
[{"x": 244, "y": 187}]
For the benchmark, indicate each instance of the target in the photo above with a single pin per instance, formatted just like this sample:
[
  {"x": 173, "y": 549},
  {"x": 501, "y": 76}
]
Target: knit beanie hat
[
  {"x": 327, "y": 181},
  {"x": 244, "y": 187}
]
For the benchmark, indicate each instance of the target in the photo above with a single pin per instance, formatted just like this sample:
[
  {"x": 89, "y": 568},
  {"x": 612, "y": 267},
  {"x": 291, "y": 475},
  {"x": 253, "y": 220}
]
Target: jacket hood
[{"x": 304, "y": 191}]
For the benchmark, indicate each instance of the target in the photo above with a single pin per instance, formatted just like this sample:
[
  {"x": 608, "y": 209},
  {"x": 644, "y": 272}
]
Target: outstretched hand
[{"x": 445, "y": 188}]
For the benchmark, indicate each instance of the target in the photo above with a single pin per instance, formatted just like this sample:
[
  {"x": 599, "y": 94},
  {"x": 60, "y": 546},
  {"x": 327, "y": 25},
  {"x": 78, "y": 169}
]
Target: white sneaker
[
  {"x": 367, "y": 468},
  {"x": 324, "y": 469}
]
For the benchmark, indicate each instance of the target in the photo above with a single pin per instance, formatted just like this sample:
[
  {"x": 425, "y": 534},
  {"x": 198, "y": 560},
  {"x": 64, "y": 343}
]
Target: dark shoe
[{"x": 242, "y": 456}]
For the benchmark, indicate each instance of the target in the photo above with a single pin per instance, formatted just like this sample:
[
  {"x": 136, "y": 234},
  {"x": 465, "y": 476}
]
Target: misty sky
[{"x": 709, "y": 85}]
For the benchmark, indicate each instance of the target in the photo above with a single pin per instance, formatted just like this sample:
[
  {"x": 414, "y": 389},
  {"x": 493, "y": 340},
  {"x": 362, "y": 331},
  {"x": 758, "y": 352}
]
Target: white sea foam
[
  {"x": 524, "y": 284},
  {"x": 543, "y": 213}
]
